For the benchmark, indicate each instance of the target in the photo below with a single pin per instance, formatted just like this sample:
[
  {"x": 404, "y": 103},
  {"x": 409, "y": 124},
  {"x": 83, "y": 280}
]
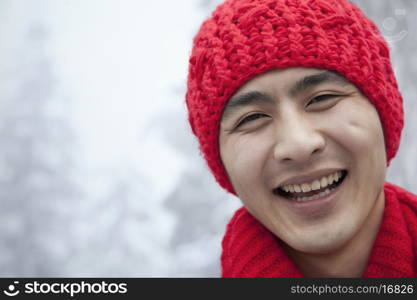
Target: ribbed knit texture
[
  {"x": 250, "y": 250},
  {"x": 244, "y": 38}
]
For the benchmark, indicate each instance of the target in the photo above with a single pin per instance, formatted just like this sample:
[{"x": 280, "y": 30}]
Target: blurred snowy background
[{"x": 99, "y": 172}]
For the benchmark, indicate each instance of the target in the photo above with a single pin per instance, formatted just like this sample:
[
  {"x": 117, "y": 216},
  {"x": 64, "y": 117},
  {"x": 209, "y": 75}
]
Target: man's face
[{"x": 304, "y": 150}]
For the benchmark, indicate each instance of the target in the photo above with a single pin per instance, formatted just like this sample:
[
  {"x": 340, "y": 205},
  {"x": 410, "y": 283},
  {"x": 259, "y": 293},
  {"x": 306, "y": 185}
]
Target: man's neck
[{"x": 349, "y": 260}]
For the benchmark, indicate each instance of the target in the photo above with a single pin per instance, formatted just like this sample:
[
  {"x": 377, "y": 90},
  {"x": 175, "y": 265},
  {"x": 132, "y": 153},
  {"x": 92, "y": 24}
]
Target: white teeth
[
  {"x": 312, "y": 186},
  {"x": 315, "y": 185},
  {"x": 323, "y": 182},
  {"x": 330, "y": 179},
  {"x": 301, "y": 199},
  {"x": 305, "y": 187},
  {"x": 339, "y": 175}
]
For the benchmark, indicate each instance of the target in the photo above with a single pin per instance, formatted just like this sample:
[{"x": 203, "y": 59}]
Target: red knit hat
[{"x": 244, "y": 38}]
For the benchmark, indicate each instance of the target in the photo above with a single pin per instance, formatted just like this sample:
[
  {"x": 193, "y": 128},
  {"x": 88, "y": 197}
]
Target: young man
[{"x": 297, "y": 112}]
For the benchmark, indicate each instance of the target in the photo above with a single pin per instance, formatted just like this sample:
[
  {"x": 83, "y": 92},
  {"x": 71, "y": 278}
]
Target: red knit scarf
[{"x": 250, "y": 250}]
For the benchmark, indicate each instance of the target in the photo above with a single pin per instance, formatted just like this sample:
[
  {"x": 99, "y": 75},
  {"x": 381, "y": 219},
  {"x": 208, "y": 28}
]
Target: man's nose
[{"x": 298, "y": 139}]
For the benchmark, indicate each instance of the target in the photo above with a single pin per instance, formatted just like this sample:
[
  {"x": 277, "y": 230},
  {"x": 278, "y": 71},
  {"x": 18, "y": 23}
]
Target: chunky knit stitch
[
  {"x": 244, "y": 38},
  {"x": 250, "y": 250}
]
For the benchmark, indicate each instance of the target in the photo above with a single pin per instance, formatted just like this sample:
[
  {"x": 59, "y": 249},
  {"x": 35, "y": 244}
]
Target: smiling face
[{"x": 281, "y": 135}]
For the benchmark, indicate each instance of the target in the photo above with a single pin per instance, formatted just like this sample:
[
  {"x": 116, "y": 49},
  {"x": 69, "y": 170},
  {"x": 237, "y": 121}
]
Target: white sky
[{"x": 118, "y": 62}]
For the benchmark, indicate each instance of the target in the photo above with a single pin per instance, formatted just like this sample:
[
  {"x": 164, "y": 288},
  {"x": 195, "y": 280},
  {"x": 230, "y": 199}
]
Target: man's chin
[{"x": 318, "y": 244}]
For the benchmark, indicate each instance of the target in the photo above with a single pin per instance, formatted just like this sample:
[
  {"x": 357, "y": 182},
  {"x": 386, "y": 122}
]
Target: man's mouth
[{"x": 312, "y": 190}]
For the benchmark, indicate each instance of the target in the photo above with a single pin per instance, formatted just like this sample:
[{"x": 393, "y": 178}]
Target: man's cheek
[
  {"x": 245, "y": 169},
  {"x": 354, "y": 132}
]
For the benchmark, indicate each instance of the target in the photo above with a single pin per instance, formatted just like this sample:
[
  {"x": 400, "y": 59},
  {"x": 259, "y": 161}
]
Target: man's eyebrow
[
  {"x": 311, "y": 81},
  {"x": 299, "y": 87},
  {"x": 246, "y": 99}
]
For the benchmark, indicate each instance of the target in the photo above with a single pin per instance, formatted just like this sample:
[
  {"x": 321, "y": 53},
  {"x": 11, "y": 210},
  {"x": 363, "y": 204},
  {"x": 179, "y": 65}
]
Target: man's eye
[
  {"x": 323, "y": 97},
  {"x": 250, "y": 118}
]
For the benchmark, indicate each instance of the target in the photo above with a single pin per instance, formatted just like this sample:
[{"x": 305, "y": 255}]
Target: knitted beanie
[{"x": 244, "y": 38}]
